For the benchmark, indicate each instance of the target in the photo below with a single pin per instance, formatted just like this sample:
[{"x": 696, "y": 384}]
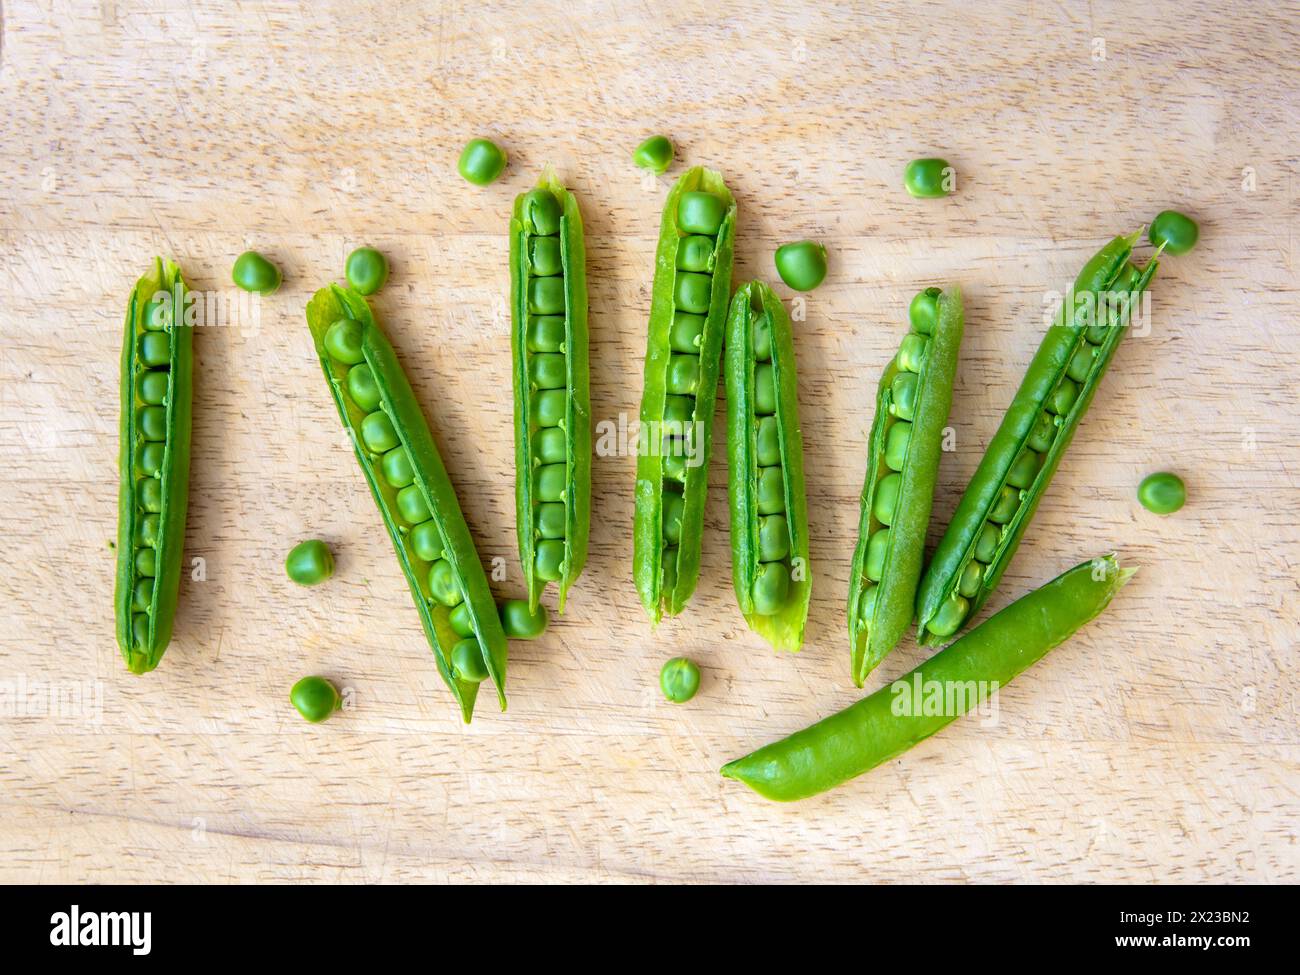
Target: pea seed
[
  {"x": 549, "y": 482},
  {"x": 1177, "y": 231},
  {"x": 426, "y": 541},
  {"x": 362, "y": 388},
  {"x": 542, "y": 212},
  {"x": 923, "y": 312},
  {"x": 668, "y": 569},
  {"x": 1025, "y": 469},
  {"x": 315, "y": 698},
  {"x": 146, "y": 561},
  {"x": 683, "y": 374},
  {"x": 911, "y": 352},
  {"x": 679, "y": 409},
  {"x": 343, "y": 341},
  {"x": 548, "y": 370},
  {"x": 877, "y": 549},
  {"x": 460, "y": 621},
  {"x": 693, "y": 292},
  {"x": 802, "y": 265},
  {"x": 254, "y": 273},
  {"x": 1004, "y": 509},
  {"x": 762, "y": 331},
  {"x": 520, "y": 622},
  {"x": 1162, "y": 493},
  {"x": 412, "y": 506},
  {"x": 674, "y": 507},
  {"x": 771, "y": 587},
  {"x": 971, "y": 578},
  {"x": 158, "y": 314},
  {"x": 149, "y": 491},
  {"x": 1063, "y": 397},
  {"x": 546, "y": 333},
  {"x": 928, "y": 178},
  {"x": 549, "y": 563},
  {"x": 768, "y": 442},
  {"x": 481, "y": 161},
  {"x": 902, "y": 393},
  {"x": 885, "y": 504},
  {"x": 153, "y": 422},
  {"x": 366, "y": 270},
  {"x": 949, "y": 616},
  {"x": 699, "y": 212},
  {"x": 655, "y": 154},
  {"x": 155, "y": 348},
  {"x": 987, "y": 543},
  {"x": 153, "y": 387},
  {"x": 1096, "y": 334},
  {"x": 896, "y": 442},
  {"x": 1081, "y": 362},
  {"x": 773, "y": 538},
  {"x": 309, "y": 563},
  {"x": 142, "y": 594},
  {"x": 442, "y": 584},
  {"x": 550, "y": 520},
  {"x": 467, "y": 662},
  {"x": 396, "y": 467},
  {"x": 149, "y": 459},
  {"x": 377, "y": 432},
  {"x": 140, "y": 629},
  {"x": 544, "y": 259},
  {"x": 146, "y": 530},
  {"x": 867, "y": 605},
  {"x": 686, "y": 332},
  {"x": 695, "y": 254},
  {"x": 764, "y": 389},
  {"x": 771, "y": 490},
  {"x": 1042, "y": 433},
  {"x": 674, "y": 464},
  {"x": 546, "y": 296},
  {"x": 549, "y": 446}
]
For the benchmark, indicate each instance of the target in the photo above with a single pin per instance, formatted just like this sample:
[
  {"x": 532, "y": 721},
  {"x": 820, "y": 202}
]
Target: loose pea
[
  {"x": 877, "y": 549},
  {"x": 377, "y": 432},
  {"x": 149, "y": 491},
  {"x": 674, "y": 507},
  {"x": 987, "y": 543},
  {"x": 363, "y": 389},
  {"x": 315, "y": 698},
  {"x": 1177, "y": 231},
  {"x": 699, "y": 212},
  {"x": 1025, "y": 468},
  {"x": 146, "y": 561},
  {"x": 149, "y": 460},
  {"x": 771, "y": 587},
  {"x": 366, "y": 270},
  {"x": 683, "y": 374},
  {"x": 1063, "y": 397},
  {"x": 544, "y": 256},
  {"x": 140, "y": 629},
  {"x": 902, "y": 395},
  {"x": 867, "y": 604},
  {"x": 768, "y": 441},
  {"x": 668, "y": 572},
  {"x": 885, "y": 504},
  {"x": 153, "y": 422},
  {"x": 412, "y": 506},
  {"x": 254, "y": 273},
  {"x": 802, "y": 265},
  {"x": 693, "y": 291},
  {"x": 1004, "y": 509},
  {"x": 155, "y": 348},
  {"x": 1081, "y": 362},
  {"x": 695, "y": 253},
  {"x": 442, "y": 584},
  {"x": 396, "y": 467},
  {"x": 481, "y": 161},
  {"x": 549, "y": 407},
  {"x": 911, "y": 352},
  {"x": 550, "y": 520},
  {"x": 542, "y": 212},
  {"x": 773, "y": 538},
  {"x": 546, "y": 296},
  {"x": 764, "y": 389},
  {"x": 549, "y": 562},
  {"x": 343, "y": 341},
  {"x": 923, "y": 312},
  {"x": 679, "y": 409},
  {"x": 679, "y": 679},
  {"x": 520, "y": 622},
  {"x": 971, "y": 578},
  {"x": 153, "y": 387},
  {"x": 762, "y": 329},
  {"x": 949, "y": 616},
  {"x": 549, "y": 483},
  {"x": 655, "y": 154},
  {"x": 546, "y": 333},
  {"x": 146, "y": 530},
  {"x": 928, "y": 178},
  {"x": 461, "y": 623},
  {"x": 309, "y": 563},
  {"x": 548, "y": 370},
  {"x": 549, "y": 445},
  {"x": 896, "y": 441},
  {"x": 686, "y": 332},
  {"x": 142, "y": 594},
  {"x": 1042, "y": 433},
  {"x": 426, "y": 541},
  {"x": 1162, "y": 493},
  {"x": 771, "y": 490}
]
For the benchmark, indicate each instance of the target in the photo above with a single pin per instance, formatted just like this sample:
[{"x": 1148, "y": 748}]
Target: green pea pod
[
  {"x": 1007, "y": 486},
  {"x": 688, "y": 310},
  {"x": 902, "y": 466},
  {"x": 410, "y": 485},
  {"x": 550, "y": 353},
  {"x": 887, "y": 723},
  {"x": 769, "y": 529},
  {"x": 154, "y": 462}
]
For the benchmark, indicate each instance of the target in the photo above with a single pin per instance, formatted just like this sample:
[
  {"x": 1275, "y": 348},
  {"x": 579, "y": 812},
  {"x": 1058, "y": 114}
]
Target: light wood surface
[{"x": 1159, "y": 745}]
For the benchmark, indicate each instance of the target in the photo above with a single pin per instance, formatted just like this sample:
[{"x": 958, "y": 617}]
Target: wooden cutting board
[{"x": 1160, "y": 744}]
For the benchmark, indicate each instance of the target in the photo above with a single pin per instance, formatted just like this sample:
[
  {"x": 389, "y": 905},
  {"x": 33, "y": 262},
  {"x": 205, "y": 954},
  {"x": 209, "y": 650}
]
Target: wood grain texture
[{"x": 1159, "y": 745}]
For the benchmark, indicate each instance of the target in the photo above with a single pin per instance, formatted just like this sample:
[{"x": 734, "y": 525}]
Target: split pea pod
[
  {"x": 912, "y": 404},
  {"x": 953, "y": 682},
  {"x": 154, "y": 463},
  {"x": 548, "y": 303},
  {"x": 415, "y": 497},
  {"x": 688, "y": 311},
  {"x": 1023, "y": 455},
  {"x": 769, "y": 509}
]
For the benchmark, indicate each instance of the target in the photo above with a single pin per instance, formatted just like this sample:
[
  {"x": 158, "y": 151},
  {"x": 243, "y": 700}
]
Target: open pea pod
[
  {"x": 548, "y": 305},
  {"x": 688, "y": 311},
  {"x": 154, "y": 463},
  {"x": 1006, "y": 488},
  {"x": 769, "y": 508},
  {"x": 411, "y": 488},
  {"x": 912, "y": 404}
]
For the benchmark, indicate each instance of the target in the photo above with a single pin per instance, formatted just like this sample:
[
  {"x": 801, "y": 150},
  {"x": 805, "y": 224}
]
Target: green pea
[
  {"x": 902, "y": 393},
  {"x": 928, "y": 178},
  {"x": 153, "y": 387},
  {"x": 1162, "y": 493},
  {"x": 1177, "y": 231},
  {"x": 254, "y": 273},
  {"x": 366, "y": 270},
  {"x": 686, "y": 332},
  {"x": 764, "y": 389},
  {"x": 146, "y": 530},
  {"x": 695, "y": 253},
  {"x": 911, "y": 352},
  {"x": 987, "y": 543},
  {"x": 948, "y": 618},
  {"x": 549, "y": 562},
  {"x": 768, "y": 441},
  {"x": 146, "y": 561},
  {"x": 692, "y": 292},
  {"x": 655, "y": 154},
  {"x": 546, "y": 333},
  {"x": 867, "y": 605},
  {"x": 155, "y": 348},
  {"x": 1025, "y": 468},
  {"x": 362, "y": 388},
  {"x": 520, "y": 622},
  {"x": 923, "y": 312},
  {"x": 762, "y": 330},
  {"x": 149, "y": 459},
  {"x": 549, "y": 407},
  {"x": 885, "y": 504},
  {"x": 149, "y": 491},
  {"x": 1042, "y": 433},
  {"x": 343, "y": 341},
  {"x": 668, "y": 568},
  {"x": 309, "y": 563},
  {"x": 542, "y": 212},
  {"x": 550, "y": 520},
  {"x": 158, "y": 314},
  {"x": 377, "y": 432},
  {"x": 549, "y": 482},
  {"x": 1081, "y": 362},
  {"x": 1096, "y": 334},
  {"x": 802, "y": 266},
  {"x": 412, "y": 506},
  {"x": 481, "y": 161},
  {"x": 142, "y": 594},
  {"x": 153, "y": 422},
  {"x": 1063, "y": 397},
  {"x": 674, "y": 508},
  {"x": 877, "y": 550},
  {"x": 140, "y": 629},
  {"x": 442, "y": 584},
  {"x": 773, "y": 538},
  {"x": 896, "y": 442},
  {"x": 544, "y": 256},
  {"x": 771, "y": 587},
  {"x": 674, "y": 463},
  {"x": 683, "y": 374},
  {"x": 546, "y": 296},
  {"x": 548, "y": 370},
  {"x": 550, "y": 446},
  {"x": 679, "y": 679},
  {"x": 972, "y": 577},
  {"x": 461, "y": 623},
  {"x": 699, "y": 212},
  {"x": 771, "y": 490},
  {"x": 426, "y": 541},
  {"x": 397, "y": 470},
  {"x": 1006, "y": 506},
  {"x": 315, "y": 698},
  {"x": 679, "y": 409}
]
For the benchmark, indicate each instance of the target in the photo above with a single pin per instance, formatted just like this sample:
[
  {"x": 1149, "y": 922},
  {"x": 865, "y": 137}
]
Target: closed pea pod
[
  {"x": 423, "y": 517},
  {"x": 552, "y": 399},
  {"x": 683, "y": 357},
  {"x": 1018, "y": 465},
  {"x": 154, "y": 464},
  {"x": 903, "y": 451},
  {"x": 769, "y": 510}
]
